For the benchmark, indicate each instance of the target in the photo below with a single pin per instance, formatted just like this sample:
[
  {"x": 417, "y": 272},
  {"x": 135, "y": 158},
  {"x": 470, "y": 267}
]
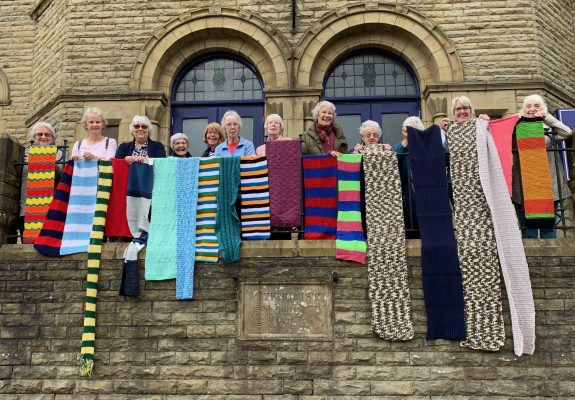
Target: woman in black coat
[{"x": 142, "y": 146}]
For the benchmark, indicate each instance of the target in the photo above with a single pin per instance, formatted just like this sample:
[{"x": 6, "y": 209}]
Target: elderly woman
[
  {"x": 96, "y": 146},
  {"x": 414, "y": 122},
  {"x": 179, "y": 144},
  {"x": 325, "y": 136},
  {"x": 213, "y": 136},
  {"x": 274, "y": 128},
  {"x": 142, "y": 147},
  {"x": 234, "y": 146},
  {"x": 463, "y": 111},
  {"x": 534, "y": 106},
  {"x": 369, "y": 132}
]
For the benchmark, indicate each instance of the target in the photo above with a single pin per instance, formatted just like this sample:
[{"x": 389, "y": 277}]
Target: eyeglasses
[
  {"x": 43, "y": 134},
  {"x": 464, "y": 108},
  {"x": 138, "y": 126}
]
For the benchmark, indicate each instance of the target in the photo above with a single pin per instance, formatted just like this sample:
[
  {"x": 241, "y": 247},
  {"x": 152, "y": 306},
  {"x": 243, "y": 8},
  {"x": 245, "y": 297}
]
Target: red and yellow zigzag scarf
[
  {"x": 39, "y": 190},
  {"x": 535, "y": 174}
]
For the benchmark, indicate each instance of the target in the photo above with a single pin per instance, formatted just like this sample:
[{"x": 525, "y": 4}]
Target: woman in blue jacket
[{"x": 234, "y": 145}]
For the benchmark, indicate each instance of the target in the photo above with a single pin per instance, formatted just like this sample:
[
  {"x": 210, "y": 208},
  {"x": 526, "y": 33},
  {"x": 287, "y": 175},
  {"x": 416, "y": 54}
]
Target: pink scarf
[{"x": 326, "y": 136}]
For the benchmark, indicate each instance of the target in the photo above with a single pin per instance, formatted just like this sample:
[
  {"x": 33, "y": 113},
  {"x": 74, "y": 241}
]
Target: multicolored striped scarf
[
  {"x": 208, "y": 183},
  {"x": 284, "y": 173},
  {"x": 535, "y": 174},
  {"x": 39, "y": 189},
  {"x": 94, "y": 255},
  {"x": 387, "y": 260},
  {"x": 441, "y": 274},
  {"x": 117, "y": 221},
  {"x": 255, "y": 198},
  {"x": 350, "y": 243},
  {"x": 320, "y": 196},
  {"x": 81, "y": 207},
  {"x": 49, "y": 240},
  {"x": 228, "y": 226}
]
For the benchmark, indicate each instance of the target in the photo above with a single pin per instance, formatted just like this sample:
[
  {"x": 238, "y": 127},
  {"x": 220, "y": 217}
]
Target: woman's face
[
  {"x": 181, "y": 147},
  {"x": 232, "y": 127},
  {"x": 532, "y": 108},
  {"x": 461, "y": 112},
  {"x": 273, "y": 128},
  {"x": 325, "y": 116},
  {"x": 370, "y": 136},
  {"x": 43, "y": 136},
  {"x": 212, "y": 137},
  {"x": 141, "y": 132},
  {"x": 94, "y": 124}
]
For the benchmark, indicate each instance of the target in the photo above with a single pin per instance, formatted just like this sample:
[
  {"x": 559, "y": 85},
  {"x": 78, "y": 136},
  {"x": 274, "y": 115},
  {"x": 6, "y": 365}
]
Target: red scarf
[{"x": 327, "y": 137}]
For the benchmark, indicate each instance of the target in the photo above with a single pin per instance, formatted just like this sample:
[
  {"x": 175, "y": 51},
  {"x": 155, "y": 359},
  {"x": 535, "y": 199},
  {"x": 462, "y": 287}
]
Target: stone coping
[{"x": 286, "y": 248}]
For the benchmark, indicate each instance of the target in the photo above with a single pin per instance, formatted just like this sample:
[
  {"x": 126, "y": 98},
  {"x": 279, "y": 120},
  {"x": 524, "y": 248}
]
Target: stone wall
[{"x": 155, "y": 347}]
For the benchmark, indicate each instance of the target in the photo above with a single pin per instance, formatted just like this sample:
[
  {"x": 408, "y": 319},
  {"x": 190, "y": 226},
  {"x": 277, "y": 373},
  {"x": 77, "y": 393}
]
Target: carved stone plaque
[{"x": 285, "y": 311}]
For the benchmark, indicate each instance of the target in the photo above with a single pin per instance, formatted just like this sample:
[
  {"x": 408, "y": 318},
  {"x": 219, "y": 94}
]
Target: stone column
[{"x": 10, "y": 180}]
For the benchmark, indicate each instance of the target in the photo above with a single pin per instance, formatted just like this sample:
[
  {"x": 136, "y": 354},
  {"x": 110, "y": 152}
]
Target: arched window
[{"x": 209, "y": 86}]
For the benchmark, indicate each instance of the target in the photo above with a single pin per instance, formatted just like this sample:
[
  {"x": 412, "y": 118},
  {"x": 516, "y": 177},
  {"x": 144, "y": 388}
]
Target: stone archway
[
  {"x": 394, "y": 28},
  {"x": 214, "y": 29}
]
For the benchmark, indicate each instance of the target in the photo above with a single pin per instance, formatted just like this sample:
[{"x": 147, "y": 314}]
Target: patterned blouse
[{"x": 142, "y": 151}]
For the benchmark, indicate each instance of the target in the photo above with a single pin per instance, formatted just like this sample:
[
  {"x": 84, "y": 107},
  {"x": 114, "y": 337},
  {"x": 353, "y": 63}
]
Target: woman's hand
[
  {"x": 484, "y": 117},
  {"x": 444, "y": 124},
  {"x": 134, "y": 159},
  {"x": 357, "y": 149},
  {"x": 89, "y": 156},
  {"x": 387, "y": 146},
  {"x": 335, "y": 153}
]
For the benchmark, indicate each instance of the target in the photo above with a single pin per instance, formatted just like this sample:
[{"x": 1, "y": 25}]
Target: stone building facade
[{"x": 60, "y": 56}]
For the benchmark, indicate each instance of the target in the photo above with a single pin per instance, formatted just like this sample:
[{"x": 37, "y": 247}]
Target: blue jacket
[
  {"x": 244, "y": 148},
  {"x": 155, "y": 149}
]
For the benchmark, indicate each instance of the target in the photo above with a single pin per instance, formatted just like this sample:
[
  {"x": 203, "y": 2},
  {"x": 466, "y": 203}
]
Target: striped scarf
[
  {"x": 255, "y": 198},
  {"x": 94, "y": 255},
  {"x": 350, "y": 243},
  {"x": 535, "y": 174},
  {"x": 49, "y": 240},
  {"x": 208, "y": 182},
  {"x": 320, "y": 196},
  {"x": 387, "y": 261},
  {"x": 81, "y": 207},
  {"x": 228, "y": 226},
  {"x": 39, "y": 189}
]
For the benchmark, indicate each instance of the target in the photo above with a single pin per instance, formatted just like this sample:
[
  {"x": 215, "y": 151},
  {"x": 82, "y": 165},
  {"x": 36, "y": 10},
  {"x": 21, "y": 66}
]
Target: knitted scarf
[
  {"x": 255, "y": 198},
  {"x": 326, "y": 137},
  {"x": 502, "y": 133},
  {"x": 161, "y": 256},
  {"x": 138, "y": 200},
  {"x": 186, "y": 203},
  {"x": 509, "y": 244},
  {"x": 442, "y": 286},
  {"x": 39, "y": 189},
  {"x": 320, "y": 196},
  {"x": 117, "y": 222},
  {"x": 208, "y": 182},
  {"x": 81, "y": 208},
  {"x": 475, "y": 243},
  {"x": 284, "y": 170},
  {"x": 49, "y": 240},
  {"x": 94, "y": 255},
  {"x": 350, "y": 242},
  {"x": 387, "y": 262},
  {"x": 535, "y": 174},
  {"x": 228, "y": 226}
]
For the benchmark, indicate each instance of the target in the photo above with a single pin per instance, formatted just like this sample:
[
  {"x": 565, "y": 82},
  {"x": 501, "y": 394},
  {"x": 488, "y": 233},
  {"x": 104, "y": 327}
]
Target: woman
[
  {"x": 96, "y": 146},
  {"x": 325, "y": 137},
  {"x": 213, "y": 136},
  {"x": 534, "y": 106},
  {"x": 234, "y": 146},
  {"x": 369, "y": 132},
  {"x": 463, "y": 111},
  {"x": 142, "y": 147},
  {"x": 274, "y": 128},
  {"x": 179, "y": 145}
]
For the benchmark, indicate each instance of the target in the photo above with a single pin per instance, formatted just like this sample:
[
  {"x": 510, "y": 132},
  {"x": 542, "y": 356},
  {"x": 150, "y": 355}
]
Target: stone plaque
[{"x": 285, "y": 311}]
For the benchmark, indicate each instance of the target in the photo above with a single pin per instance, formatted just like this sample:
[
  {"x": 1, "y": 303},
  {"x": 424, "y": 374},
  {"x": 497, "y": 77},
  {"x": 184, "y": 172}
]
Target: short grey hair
[
  {"x": 276, "y": 117},
  {"x": 178, "y": 136},
  {"x": 370, "y": 124},
  {"x": 465, "y": 101},
  {"x": 318, "y": 106},
  {"x": 42, "y": 124},
  {"x": 93, "y": 111},
  {"x": 538, "y": 99},
  {"x": 142, "y": 120},
  {"x": 231, "y": 113},
  {"x": 414, "y": 122}
]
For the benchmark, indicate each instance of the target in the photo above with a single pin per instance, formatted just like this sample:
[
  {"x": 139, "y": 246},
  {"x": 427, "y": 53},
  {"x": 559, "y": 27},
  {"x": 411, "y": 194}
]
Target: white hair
[
  {"x": 42, "y": 124},
  {"x": 178, "y": 136},
  {"x": 414, "y": 122},
  {"x": 318, "y": 106},
  {"x": 465, "y": 101},
  {"x": 142, "y": 120},
  {"x": 93, "y": 111},
  {"x": 277, "y": 117},
  {"x": 231, "y": 113},
  {"x": 369, "y": 124},
  {"x": 538, "y": 99}
]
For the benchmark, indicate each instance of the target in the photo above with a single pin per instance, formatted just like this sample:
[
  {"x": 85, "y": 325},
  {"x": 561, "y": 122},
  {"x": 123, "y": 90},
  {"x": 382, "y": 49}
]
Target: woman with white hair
[
  {"x": 142, "y": 147},
  {"x": 274, "y": 128},
  {"x": 463, "y": 111},
  {"x": 96, "y": 146},
  {"x": 179, "y": 144},
  {"x": 234, "y": 145},
  {"x": 369, "y": 133},
  {"x": 534, "y": 106},
  {"x": 325, "y": 136}
]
